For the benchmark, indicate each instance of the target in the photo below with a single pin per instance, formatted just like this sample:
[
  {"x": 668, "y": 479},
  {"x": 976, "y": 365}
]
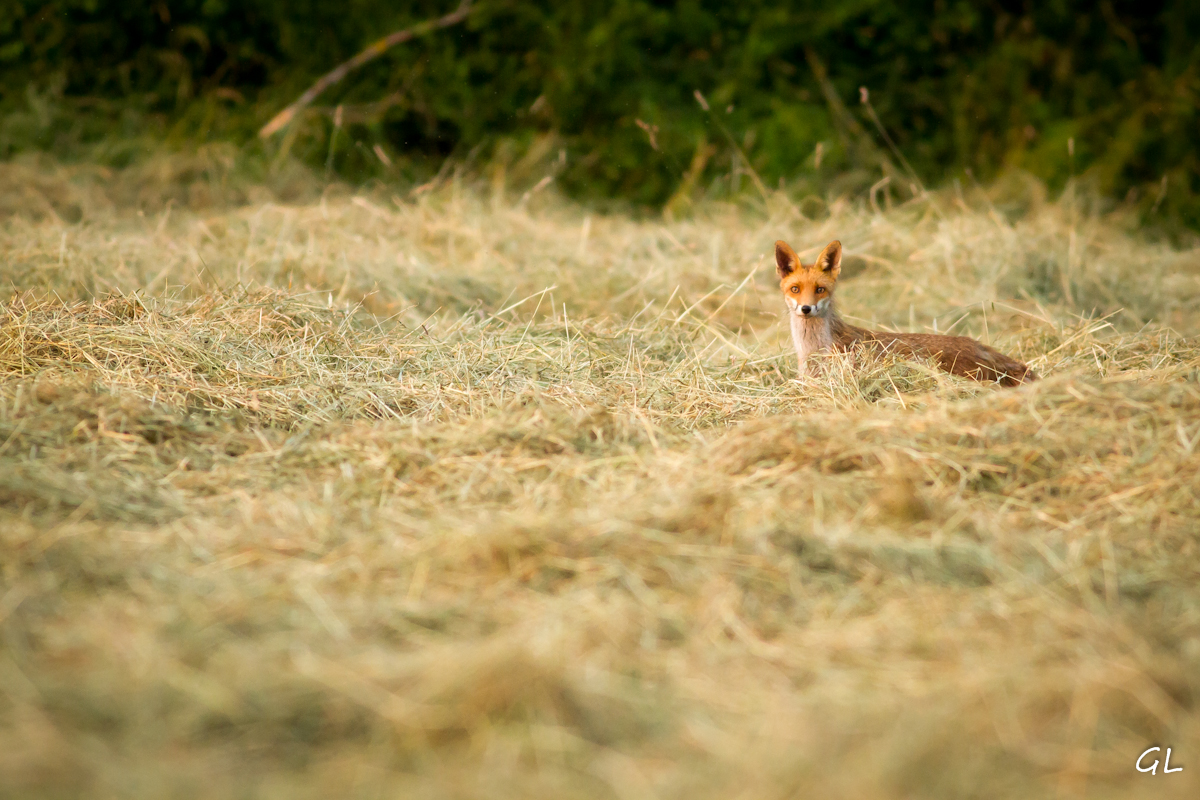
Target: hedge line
[{"x": 980, "y": 86}]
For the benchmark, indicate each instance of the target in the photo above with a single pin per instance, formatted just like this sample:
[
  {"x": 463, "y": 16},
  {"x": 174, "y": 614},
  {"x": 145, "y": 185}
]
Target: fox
[{"x": 808, "y": 290}]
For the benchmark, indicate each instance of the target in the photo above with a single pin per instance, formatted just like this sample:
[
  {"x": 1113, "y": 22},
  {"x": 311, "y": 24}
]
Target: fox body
[{"x": 816, "y": 326}]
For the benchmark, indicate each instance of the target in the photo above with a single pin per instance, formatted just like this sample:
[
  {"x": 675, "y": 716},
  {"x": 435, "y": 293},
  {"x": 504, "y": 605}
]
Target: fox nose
[{"x": 806, "y": 309}]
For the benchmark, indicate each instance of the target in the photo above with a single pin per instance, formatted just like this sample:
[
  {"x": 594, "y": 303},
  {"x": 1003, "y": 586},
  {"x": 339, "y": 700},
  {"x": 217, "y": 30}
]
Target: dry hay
[{"x": 454, "y": 497}]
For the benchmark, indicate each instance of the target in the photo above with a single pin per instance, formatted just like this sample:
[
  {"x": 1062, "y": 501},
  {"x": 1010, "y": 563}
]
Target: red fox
[{"x": 816, "y": 326}]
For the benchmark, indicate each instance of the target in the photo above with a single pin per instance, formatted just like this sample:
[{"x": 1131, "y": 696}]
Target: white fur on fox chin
[{"x": 809, "y": 335}]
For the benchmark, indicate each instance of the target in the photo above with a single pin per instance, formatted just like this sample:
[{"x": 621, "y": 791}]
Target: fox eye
[
  {"x": 795, "y": 290},
  {"x": 820, "y": 290}
]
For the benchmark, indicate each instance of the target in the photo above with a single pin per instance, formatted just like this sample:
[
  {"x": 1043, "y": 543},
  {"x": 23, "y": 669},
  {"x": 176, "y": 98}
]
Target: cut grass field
[{"x": 463, "y": 495}]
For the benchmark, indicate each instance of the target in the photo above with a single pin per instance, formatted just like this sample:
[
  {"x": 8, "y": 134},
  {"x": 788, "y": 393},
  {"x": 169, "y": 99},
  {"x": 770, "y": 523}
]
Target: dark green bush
[{"x": 984, "y": 86}]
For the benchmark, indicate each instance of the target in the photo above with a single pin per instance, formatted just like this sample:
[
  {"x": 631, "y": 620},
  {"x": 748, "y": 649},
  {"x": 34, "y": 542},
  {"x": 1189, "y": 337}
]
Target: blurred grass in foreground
[{"x": 464, "y": 493}]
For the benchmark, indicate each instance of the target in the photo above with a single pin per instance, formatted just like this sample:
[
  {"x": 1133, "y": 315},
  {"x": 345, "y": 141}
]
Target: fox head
[{"x": 808, "y": 288}]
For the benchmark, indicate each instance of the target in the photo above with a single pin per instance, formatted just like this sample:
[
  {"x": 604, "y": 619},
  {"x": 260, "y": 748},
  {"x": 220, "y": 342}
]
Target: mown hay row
[{"x": 401, "y": 532}]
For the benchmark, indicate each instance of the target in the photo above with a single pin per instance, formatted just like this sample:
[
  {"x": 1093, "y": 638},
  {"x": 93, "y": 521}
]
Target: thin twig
[
  {"x": 377, "y": 49},
  {"x": 865, "y": 98},
  {"x": 849, "y": 130},
  {"x": 758, "y": 183}
]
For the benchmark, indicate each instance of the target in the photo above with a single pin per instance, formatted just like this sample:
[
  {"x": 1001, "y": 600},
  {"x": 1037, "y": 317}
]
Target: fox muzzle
[{"x": 817, "y": 309}]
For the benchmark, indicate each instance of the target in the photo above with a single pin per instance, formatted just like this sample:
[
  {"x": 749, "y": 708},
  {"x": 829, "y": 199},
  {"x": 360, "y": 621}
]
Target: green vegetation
[{"x": 986, "y": 87}]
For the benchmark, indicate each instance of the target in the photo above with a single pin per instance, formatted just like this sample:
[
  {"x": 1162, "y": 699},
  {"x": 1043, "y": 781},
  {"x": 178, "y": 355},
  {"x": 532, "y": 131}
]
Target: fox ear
[
  {"x": 786, "y": 260},
  {"x": 830, "y": 259}
]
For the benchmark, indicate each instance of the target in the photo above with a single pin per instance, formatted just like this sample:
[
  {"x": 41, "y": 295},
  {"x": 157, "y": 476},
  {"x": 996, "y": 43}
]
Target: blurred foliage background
[{"x": 603, "y": 95}]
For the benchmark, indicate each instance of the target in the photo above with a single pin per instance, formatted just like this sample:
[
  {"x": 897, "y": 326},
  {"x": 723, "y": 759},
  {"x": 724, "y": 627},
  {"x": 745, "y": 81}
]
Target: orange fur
[{"x": 815, "y": 324}]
